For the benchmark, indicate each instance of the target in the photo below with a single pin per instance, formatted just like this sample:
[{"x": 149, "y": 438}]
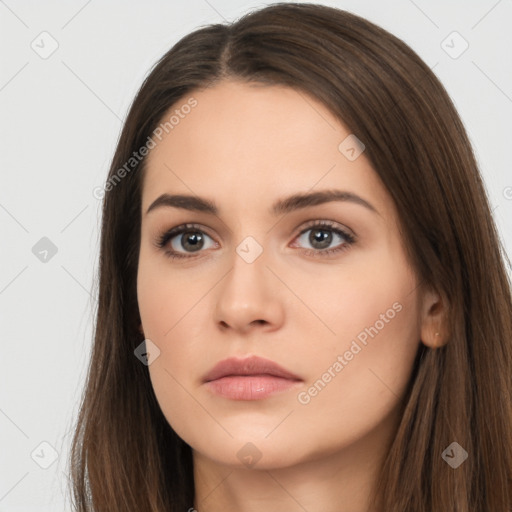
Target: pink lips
[{"x": 252, "y": 378}]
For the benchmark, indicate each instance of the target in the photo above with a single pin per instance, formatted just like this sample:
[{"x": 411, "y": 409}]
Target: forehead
[{"x": 240, "y": 140}]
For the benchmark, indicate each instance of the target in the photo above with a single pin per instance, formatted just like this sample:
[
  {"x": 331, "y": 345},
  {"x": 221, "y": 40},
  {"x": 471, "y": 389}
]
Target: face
[{"x": 320, "y": 287}]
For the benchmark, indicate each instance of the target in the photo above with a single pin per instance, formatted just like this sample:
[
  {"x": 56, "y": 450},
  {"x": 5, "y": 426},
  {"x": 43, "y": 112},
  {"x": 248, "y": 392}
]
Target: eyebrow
[{"x": 280, "y": 207}]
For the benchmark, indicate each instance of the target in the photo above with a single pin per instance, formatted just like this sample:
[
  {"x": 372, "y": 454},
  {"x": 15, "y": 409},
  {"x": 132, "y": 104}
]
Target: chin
[{"x": 246, "y": 452}]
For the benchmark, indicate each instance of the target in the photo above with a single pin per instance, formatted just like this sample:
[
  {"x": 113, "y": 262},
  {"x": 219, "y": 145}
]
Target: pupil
[
  {"x": 194, "y": 239},
  {"x": 324, "y": 239}
]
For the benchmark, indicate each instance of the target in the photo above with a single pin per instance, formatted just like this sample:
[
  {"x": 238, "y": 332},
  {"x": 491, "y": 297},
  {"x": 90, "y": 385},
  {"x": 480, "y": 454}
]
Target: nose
[{"x": 249, "y": 297}]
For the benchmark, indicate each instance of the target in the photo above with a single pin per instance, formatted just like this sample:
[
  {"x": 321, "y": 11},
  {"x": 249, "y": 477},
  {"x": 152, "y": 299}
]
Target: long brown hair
[{"x": 125, "y": 456}]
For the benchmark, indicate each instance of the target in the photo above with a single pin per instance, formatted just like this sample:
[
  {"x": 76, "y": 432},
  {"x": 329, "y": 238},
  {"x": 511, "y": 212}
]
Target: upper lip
[{"x": 253, "y": 365}]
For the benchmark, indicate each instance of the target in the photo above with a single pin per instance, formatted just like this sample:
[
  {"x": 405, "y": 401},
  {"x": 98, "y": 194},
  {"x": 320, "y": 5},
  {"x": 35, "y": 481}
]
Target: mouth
[{"x": 252, "y": 378}]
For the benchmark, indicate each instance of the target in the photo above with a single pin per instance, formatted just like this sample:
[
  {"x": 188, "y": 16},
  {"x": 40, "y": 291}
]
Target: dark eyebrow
[
  {"x": 280, "y": 207},
  {"x": 192, "y": 203},
  {"x": 298, "y": 201}
]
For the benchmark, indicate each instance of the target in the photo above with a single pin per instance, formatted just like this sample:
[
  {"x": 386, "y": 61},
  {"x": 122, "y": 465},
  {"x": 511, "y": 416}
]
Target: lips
[
  {"x": 253, "y": 366},
  {"x": 251, "y": 378}
]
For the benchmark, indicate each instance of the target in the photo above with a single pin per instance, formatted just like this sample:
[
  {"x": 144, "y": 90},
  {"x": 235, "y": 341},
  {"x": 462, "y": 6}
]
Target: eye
[
  {"x": 185, "y": 240},
  {"x": 321, "y": 235}
]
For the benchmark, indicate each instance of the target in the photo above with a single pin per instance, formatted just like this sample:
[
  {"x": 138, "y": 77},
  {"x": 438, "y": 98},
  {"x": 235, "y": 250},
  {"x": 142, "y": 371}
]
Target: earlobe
[{"x": 435, "y": 340}]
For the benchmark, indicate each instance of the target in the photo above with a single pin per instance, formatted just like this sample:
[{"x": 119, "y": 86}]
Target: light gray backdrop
[{"x": 68, "y": 73}]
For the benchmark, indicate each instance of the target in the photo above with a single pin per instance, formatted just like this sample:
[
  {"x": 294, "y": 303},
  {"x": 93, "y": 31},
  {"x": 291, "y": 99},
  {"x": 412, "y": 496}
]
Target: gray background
[{"x": 60, "y": 119}]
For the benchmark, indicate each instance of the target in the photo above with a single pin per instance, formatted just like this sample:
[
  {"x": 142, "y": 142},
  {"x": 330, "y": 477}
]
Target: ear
[{"x": 433, "y": 330}]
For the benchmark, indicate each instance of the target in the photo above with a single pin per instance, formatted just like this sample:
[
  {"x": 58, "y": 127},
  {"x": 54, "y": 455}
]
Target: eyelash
[{"x": 162, "y": 240}]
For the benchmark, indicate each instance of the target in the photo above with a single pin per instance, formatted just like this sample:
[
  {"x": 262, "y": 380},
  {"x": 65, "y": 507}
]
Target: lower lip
[{"x": 250, "y": 387}]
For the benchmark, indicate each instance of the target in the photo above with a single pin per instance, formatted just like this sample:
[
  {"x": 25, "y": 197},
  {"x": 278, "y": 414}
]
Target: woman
[{"x": 303, "y": 302}]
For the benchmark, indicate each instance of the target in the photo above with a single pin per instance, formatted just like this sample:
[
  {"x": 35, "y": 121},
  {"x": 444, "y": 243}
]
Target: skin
[{"x": 244, "y": 146}]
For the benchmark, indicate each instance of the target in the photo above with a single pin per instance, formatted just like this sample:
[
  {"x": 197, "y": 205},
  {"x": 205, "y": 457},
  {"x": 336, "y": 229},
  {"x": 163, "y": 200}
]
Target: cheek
[
  {"x": 164, "y": 296},
  {"x": 370, "y": 299},
  {"x": 169, "y": 303},
  {"x": 359, "y": 374}
]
